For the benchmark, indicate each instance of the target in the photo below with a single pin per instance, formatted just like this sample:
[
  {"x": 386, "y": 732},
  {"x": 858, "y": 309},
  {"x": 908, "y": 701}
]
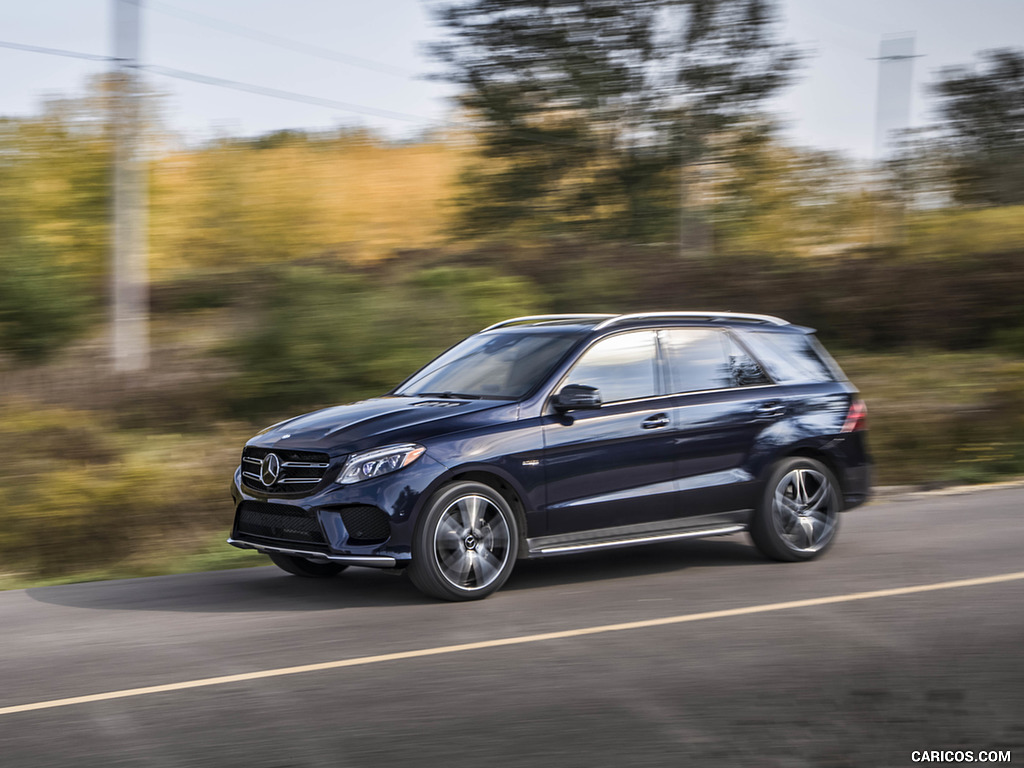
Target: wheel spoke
[
  {"x": 819, "y": 515},
  {"x": 807, "y": 527},
  {"x": 495, "y": 536},
  {"x": 819, "y": 495},
  {"x": 469, "y": 509},
  {"x": 802, "y": 480},
  {"x": 449, "y": 528},
  {"x": 453, "y": 561},
  {"x": 466, "y": 567},
  {"x": 486, "y": 564},
  {"x": 785, "y": 503}
]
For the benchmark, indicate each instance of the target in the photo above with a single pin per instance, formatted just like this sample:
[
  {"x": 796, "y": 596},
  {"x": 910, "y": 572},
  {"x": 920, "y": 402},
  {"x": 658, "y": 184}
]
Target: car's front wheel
[
  {"x": 466, "y": 543},
  {"x": 799, "y": 512},
  {"x": 300, "y": 566}
]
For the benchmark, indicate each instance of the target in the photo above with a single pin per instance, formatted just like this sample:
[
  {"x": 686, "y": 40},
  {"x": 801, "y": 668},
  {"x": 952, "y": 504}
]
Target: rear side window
[
  {"x": 790, "y": 358},
  {"x": 701, "y": 359},
  {"x": 746, "y": 372},
  {"x": 696, "y": 359}
]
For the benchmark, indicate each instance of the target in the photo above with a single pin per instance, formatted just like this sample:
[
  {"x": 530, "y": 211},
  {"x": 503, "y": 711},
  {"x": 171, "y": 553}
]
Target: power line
[
  {"x": 301, "y": 98},
  {"x": 280, "y": 94},
  {"x": 54, "y": 51},
  {"x": 342, "y": 106},
  {"x": 232, "y": 84},
  {"x": 276, "y": 40}
]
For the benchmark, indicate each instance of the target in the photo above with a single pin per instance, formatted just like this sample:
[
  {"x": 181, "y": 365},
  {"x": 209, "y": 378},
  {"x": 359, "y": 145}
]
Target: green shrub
[
  {"x": 79, "y": 497},
  {"x": 939, "y": 417},
  {"x": 42, "y": 305},
  {"x": 321, "y": 337}
]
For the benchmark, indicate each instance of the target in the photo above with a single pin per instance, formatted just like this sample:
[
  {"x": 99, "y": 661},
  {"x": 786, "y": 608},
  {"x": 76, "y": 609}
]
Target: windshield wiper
[{"x": 450, "y": 395}]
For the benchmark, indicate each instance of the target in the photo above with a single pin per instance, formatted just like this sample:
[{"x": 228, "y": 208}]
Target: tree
[
  {"x": 589, "y": 108},
  {"x": 983, "y": 112}
]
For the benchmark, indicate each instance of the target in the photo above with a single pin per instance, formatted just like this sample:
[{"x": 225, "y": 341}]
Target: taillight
[{"x": 856, "y": 418}]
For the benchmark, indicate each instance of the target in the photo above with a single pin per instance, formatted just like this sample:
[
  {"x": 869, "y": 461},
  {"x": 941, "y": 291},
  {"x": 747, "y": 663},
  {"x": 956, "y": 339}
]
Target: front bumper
[
  {"x": 371, "y": 561},
  {"x": 398, "y": 495}
]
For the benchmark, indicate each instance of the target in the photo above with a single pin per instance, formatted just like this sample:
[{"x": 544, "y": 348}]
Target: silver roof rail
[
  {"x": 545, "y": 318},
  {"x": 738, "y": 316}
]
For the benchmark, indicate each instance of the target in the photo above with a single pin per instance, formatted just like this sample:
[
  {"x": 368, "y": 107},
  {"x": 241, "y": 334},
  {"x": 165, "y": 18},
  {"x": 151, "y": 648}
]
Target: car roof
[{"x": 600, "y": 322}]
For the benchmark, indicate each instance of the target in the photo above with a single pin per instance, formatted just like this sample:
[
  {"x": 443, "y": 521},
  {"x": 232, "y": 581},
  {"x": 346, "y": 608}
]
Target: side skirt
[{"x": 629, "y": 535}]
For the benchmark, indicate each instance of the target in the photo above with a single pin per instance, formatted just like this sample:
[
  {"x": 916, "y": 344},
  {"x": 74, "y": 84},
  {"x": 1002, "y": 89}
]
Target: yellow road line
[{"x": 506, "y": 641}]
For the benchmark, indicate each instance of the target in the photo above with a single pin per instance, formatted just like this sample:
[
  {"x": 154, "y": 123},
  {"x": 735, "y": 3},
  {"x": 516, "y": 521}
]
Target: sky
[{"x": 385, "y": 64}]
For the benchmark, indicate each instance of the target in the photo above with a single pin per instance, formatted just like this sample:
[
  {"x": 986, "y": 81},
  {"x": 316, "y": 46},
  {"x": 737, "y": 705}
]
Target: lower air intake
[
  {"x": 279, "y": 522},
  {"x": 366, "y": 525}
]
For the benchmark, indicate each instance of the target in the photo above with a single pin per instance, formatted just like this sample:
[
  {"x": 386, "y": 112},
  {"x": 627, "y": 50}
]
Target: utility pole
[
  {"x": 895, "y": 77},
  {"x": 129, "y": 295},
  {"x": 895, "y": 80}
]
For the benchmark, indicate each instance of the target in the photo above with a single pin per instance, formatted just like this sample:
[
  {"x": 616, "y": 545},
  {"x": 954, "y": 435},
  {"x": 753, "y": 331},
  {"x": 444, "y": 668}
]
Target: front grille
[
  {"x": 366, "y": 525},
  {"x": 279, "y": 522},
  {"x": 300, "y": 471}
]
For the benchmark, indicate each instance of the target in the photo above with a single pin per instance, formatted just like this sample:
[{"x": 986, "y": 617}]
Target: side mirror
[{"x": 576, "y": 397}]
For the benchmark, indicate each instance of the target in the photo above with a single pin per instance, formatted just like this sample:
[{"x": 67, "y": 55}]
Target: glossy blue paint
[
  {"x": 577, "y": 471},
  {"x": 603, "y": 468}
]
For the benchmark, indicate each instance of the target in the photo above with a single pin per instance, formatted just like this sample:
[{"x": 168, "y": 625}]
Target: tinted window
[
  {"x": 622, "y": 367},
  {"x": 697, "y": 359},
  {"x": 498, "y": 365},
  {"x": 746, "y": 372},
  {"x": 790, "y": 358}
]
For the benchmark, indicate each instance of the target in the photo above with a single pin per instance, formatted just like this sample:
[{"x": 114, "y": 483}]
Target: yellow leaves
[{"x": 347, "y": 198}]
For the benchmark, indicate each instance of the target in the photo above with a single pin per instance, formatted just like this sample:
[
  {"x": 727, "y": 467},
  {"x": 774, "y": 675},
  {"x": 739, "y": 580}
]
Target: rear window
[{"x": 792, "y": 358}]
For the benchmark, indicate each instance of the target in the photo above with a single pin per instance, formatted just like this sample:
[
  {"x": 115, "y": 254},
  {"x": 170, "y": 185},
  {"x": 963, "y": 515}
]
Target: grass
[
  {"x": 212, "y": 555},
  {"x": 942, "y": 417}
]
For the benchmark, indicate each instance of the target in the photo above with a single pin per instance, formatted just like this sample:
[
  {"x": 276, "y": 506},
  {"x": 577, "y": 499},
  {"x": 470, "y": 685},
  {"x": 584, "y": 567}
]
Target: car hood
[{"x": 379, "y": 421}]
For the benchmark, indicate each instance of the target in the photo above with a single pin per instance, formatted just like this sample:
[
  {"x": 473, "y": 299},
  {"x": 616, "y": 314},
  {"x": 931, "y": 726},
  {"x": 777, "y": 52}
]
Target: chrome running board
[
  {"x": 370, "y": 561},
  {"x": 538, "y": 549}
]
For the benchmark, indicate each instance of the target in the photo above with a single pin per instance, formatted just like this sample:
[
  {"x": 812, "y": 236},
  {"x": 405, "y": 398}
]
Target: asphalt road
[{"x": 854, "y": 682}]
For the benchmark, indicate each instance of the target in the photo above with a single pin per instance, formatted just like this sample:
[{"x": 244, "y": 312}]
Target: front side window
[{"x": 622, "y": 367}]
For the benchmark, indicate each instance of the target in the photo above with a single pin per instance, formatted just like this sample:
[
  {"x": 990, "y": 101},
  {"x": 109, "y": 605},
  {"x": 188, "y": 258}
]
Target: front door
[{"x": 613, "y": 465}]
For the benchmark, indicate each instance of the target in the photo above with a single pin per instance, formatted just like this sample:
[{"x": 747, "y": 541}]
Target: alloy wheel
[
  {"x": 471, "y": 542},
  {"x": 804, "y": 510}
]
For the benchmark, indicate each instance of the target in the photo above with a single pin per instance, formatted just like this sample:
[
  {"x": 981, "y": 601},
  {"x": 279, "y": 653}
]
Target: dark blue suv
[{"x": 556, "y": 434}]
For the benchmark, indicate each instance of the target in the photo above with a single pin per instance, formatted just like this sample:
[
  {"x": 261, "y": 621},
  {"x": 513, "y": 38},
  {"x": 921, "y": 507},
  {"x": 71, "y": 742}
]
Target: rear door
[
  {"x": 721, "y": 400},
  {"x": 614, "y": 465}
]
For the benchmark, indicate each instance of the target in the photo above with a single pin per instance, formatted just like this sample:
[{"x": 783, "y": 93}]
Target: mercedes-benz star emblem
[{"x": 270, "y": 468}]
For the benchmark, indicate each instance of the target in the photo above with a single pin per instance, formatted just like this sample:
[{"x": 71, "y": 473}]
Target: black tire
[
  {"x": 454, "y": 558},
  {"x": 798, "y": 516},
  {"x": 311, "y": 569}
]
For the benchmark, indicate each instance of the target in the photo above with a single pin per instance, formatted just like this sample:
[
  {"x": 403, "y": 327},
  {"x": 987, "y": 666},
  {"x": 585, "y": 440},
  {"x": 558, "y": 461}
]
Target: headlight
[{"x": 380, "y": 461}]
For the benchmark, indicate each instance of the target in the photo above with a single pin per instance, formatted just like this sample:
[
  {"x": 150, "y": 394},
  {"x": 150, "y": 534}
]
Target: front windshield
[{"x": 492, "y": 365}]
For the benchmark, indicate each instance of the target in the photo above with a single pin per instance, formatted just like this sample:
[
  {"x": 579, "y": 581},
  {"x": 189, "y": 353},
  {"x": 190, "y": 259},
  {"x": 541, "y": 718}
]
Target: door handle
[
  {"x": 656, "y": 421},
  {"x": 769, "y": 411}
]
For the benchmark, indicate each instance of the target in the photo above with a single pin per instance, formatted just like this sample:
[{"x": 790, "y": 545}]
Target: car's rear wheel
[
  {"x": 799, "y": 513},
  {"x": 466, "y": 543},
  {"x": 300, "y": 566}
]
